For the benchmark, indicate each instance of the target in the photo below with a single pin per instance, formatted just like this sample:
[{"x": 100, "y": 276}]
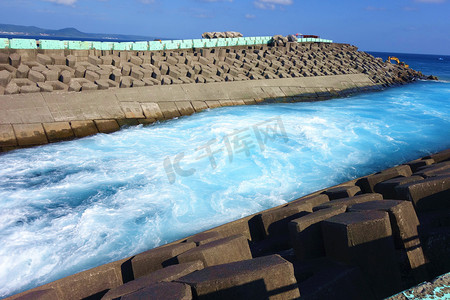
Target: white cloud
[
  {"x": 216, "y": 0},
  {"x": 271, "y": 4},
  {"x": 63, "y": 2},
  {"x": 250, "y": 16}
]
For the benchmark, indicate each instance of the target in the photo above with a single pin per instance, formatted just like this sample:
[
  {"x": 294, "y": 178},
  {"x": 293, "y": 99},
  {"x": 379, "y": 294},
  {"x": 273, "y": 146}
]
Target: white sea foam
[{"x": 71, "y": 206}]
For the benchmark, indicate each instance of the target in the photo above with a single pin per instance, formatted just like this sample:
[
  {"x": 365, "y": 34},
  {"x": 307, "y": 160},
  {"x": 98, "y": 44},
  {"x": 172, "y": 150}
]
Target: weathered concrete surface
[
  {"x": 269, "y": 277},
  {"x": 149, "y": 104},
  {"x": 365, "y": 241},
  {"x": 177, "y": 83}
]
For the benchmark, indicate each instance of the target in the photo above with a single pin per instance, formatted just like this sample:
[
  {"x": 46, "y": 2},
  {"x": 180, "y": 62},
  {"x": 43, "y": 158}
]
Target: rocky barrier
[
  {"x": 368, "y": 238},
  {"x": 54, "y": 95}
]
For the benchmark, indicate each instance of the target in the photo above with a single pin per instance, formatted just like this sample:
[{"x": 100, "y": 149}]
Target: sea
[{"x": 70, "y": 206}]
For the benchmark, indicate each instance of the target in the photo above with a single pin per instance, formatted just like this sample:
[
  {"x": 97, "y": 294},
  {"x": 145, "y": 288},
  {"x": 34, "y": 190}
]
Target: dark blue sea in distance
[{"x": 71, "y": 206}]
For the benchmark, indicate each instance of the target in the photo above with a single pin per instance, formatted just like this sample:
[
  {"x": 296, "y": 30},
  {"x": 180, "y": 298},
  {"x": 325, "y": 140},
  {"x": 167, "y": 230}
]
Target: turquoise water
[{"x": 71, "y": 206}]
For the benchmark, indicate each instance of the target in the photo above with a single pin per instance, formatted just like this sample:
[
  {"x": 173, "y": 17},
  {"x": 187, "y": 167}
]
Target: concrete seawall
[
  {"x": 55, "y": 95},
  {"x": 315, "y": 247},
  {"x": 36, "y": 119}
]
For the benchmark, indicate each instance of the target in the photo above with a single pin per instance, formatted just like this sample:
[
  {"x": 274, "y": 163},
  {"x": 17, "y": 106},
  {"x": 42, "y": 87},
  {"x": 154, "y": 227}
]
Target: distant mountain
[{"x": 72, "y": 33}]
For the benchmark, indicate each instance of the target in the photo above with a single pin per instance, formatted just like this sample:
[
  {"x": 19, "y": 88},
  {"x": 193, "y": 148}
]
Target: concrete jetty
[
  {"x": 53, "y": 95},
  {"x": 343, "y": 242}
]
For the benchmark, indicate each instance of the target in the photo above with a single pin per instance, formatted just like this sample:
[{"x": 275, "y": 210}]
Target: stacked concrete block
[
  {"x": 166, "y": 274},
  {"x": 221, "y": 251},
  {"x": 428, "y": 194},
  {"x": 350, "y": 201},
  {"x": 153, "y": 260},
  {"x": 368, "y": 183},
  {"x": 306, "y": 234},
  {"x": 405, "y": 225},
  {"x": 269, "y": 277},
  {"x": 342, "y": 192},
  {"x": 365, "y": 239}
]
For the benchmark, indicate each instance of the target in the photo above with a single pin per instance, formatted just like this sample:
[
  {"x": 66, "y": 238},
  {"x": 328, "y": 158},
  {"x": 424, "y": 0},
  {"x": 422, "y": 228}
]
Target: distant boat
[{"x": 440, "y": 58}]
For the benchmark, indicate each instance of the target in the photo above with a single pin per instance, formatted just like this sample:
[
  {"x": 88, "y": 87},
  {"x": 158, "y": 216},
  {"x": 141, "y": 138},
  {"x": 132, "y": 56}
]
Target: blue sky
[{"x": 409, "y": 26}]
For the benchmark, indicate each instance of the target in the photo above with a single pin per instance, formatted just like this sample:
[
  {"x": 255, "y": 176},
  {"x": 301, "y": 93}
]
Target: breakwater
[
  {"x": 315, "y": 247},
  {"x": 54, "y": 95}
]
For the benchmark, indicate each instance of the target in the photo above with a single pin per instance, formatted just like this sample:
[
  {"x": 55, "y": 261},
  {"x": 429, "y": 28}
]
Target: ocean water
[{"x": 71, "y": 206}]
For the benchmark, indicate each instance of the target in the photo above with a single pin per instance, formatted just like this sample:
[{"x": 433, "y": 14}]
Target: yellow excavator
[{"x": 401, "y": 63}]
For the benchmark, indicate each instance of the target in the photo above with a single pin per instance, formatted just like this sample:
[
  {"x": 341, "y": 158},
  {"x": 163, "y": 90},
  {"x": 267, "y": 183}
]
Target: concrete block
[
  {"x": 106, "y": 126},
  {"x": 152, "y": 111},
  {"x": 79, "y": 72},
  {"x": 26, "y": 89},
  {"x": 5, "y": 78},
  {"x": 132, "y": 110},
  {"x": 74, "y": 86},
  {"x": 387, "y": 188},
  {"x": 167, "y": 274},
  {"x": 169, "y": 110},
  {"x": 137, "y": 74},
  {"x": 30, "y": 134},
  {"x": 50, "y": 75},
  {"x": 83, "y": 128},
  {"x": 7, "y": 136},
  {"x": 163, "y": 290},
  {"x": 102, "y": 84},
  {"x": 365, "y": 239},
  {"x": 65, "y": 77},
  {"x": 367, "y": 183},
  {"x": 429, "y": 194},
  {"x": 56, "y": 85},
  {"x": 306, "y": 233},
  {"x": 185, "y": 108},
  {"x": 43, "y": 59},
  {"x": 4, "y": 58},
  {"x": 95, "y": 60},
  {"x": 404, "y": 224},
  {"x": 15, "y": 59},
  {"x": 440, "y": 156},
  {"x": 91, "y": 76},
  {"x": 22, "y": 71},
  {"x": 342, "y": 192},
  {"x": 415, "y": 164},
  {"x": 222, "y": 251},
  {"x": 128, "y": 122},
  {"x": 126, "y": 82},
  {"x": 434, "y": 170},
  {"x": 58, "y": 131},
  {"x": 269, "y": 277},
  {"x": 199, "y": 105},
  {"x": 71, "y": 60},
  {"x": 89, "y": 86},
  {"x": 137, "y": 83},
  {"x": 205, "y": 237},
  {"x": 11, "y": 89},
  {"x": 350, "y": 201},
  {"x": 45, "y": 294},
  {"x": 213, "y": 103},
  {"x": 135, "y": 60},
  {"x": 116, "y": 75},
  {"x": 36, "y": 76},
  {"x": 314, "y": 200},
  {"x": 58, "y": 59},
  {"x": 275, "y": 222},
  {"x": 155, "y": 259}
]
